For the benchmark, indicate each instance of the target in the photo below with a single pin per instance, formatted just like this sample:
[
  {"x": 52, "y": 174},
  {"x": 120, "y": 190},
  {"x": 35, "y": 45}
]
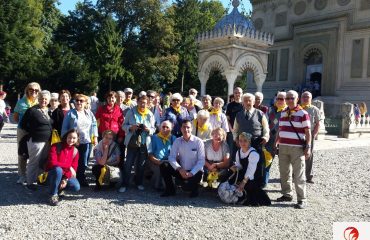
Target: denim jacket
[{"x": 71, "y": 118}]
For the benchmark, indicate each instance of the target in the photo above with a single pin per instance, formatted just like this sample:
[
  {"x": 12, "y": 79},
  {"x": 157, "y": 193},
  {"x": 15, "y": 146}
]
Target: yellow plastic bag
[
  {"x": 55, "y": 138},
  {"x": 42, "y": 177},
  {"x": 212, "y": 179},
  {"x": 268, "y": 157},
  {"x": 101, "y": 179}
]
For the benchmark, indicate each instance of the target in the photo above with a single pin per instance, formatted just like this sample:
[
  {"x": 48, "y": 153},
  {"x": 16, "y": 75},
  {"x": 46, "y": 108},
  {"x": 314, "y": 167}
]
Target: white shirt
[
  {"x": 252, "y": 165},
  {"x": 94, "y": 103},
  {"x": 2, "y": 107},
  {"x": 83, "y": 127},
  {"x": 190, "y": 154}
]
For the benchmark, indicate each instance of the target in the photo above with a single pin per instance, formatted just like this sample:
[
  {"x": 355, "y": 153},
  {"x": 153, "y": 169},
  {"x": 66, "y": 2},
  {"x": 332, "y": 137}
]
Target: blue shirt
[
  {"x": 160, "y": 150},
  {"x": 176, "y": 119}
]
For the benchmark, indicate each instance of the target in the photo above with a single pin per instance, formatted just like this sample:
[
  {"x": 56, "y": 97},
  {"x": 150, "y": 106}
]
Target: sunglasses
[
  {"x": 280, "y": 99},
  {"x": 151, "y": 96},
  {"x": 175, "y": 100},
  {"x": 80, "y": 100},
  {"x": 289, "y": 98},
  {"x": 165, "y": 127},
  {"x": 33, "y": 90}
]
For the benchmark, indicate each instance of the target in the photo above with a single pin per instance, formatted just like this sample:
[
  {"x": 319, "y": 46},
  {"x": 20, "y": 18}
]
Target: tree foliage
[{"x": 143, "y": 44}]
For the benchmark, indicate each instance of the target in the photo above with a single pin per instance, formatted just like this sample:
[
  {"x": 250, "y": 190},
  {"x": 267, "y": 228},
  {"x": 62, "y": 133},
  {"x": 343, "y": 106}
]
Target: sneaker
[
  {"x": 61, "y": 193},
  {"x": 122, "y": 189},
  {"x": 31, "y": 187},
  {"x": 300, "y": 205},
  {"x": 21, "y": 180},
  {"x": 141, "y": 187},
  {"x": 54, "y": 200},
  {"x": 284, "y": 199},
  {"x": 310, "y": 181}
]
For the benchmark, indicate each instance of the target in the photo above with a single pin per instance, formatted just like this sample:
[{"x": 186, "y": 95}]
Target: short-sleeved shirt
[
  {"x": 113, "y": 153},
  {"x": 232, "y": 109},
  {"x": 216, "y": 156},
  {"x": 159, "y": 149},
  {"x": 21, "y": 107},
  {"x": 315, "y": 117},
  {"x": 300, "y": 120}
]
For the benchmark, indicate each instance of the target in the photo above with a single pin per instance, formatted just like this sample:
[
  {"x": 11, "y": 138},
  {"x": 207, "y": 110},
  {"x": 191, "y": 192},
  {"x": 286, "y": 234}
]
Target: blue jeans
[
  {"x": 55, "y": 177},
  {"x": 138, "y": 157},
  {"x": 84, "y": 151}
]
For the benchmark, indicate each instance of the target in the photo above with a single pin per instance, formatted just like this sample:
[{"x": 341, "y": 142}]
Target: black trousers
[
  {"x": 190, "y": 184},
  {"x": 96, "y": 170}
]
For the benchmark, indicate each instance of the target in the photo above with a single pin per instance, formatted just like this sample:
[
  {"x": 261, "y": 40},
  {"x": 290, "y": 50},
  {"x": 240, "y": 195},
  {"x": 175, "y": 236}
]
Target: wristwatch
[{"x": 308, "y": 146}]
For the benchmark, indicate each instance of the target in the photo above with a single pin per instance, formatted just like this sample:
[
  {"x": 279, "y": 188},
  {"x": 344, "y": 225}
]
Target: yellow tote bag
[
  {"x": 268, "y": 157},
  {"x": 55, "y": 138}
]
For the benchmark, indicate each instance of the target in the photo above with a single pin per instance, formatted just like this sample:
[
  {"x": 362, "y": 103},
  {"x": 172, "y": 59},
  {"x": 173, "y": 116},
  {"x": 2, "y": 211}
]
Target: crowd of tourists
[{"x": 176, "y": 141}]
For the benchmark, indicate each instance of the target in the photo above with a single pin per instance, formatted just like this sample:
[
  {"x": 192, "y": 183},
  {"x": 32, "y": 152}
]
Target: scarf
[
  {"x": 127, "y": 102},
  {"x": 201, "y": 129},
  {"x": 279, "y": 109},
  {"x": 177, "y": 110},
  {"x": 305, "y": 106},
  {"x": 163, "y": 137},
  {"x": 296, "y": 109},
  {"x": 143, "y": 113},
  {"x": 30, "y": 103},
  {"x": 217, "y": 113}
]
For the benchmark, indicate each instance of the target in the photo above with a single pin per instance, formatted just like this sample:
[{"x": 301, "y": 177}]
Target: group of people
[{"x": 181, "y": 142}]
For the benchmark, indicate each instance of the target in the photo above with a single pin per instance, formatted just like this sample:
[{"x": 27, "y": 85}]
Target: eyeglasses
[
  {"x": 175, "y": 100},
  {"x": 80, "y": 100},
  {"x": 165, "y": 127},
  {"x": 151, "y": 96},
  {"x": 280, "y": 99},
  {"x": 289, "y": 98},
  {"x": 33, "y": 90}
]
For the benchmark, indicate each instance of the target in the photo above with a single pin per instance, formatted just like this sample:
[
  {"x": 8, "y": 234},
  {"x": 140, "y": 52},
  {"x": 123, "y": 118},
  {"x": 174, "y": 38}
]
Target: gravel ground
[{"x": 341, "y": 193}]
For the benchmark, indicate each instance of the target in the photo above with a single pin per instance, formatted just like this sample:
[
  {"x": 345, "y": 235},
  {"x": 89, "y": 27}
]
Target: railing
[
  {"x": 351, "y": 126},
  {"x": 237, "y": 31}
]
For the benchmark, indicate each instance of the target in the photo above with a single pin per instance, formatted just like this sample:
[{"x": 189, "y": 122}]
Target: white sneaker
[
  {"x": 141, "y": 187},
  {"x": 21, "y": 180},
  {"x": 122, "y": 189}
]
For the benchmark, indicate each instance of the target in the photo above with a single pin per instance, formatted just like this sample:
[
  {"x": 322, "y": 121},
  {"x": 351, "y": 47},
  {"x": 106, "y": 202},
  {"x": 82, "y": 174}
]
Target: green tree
[{"x": 109, "y": 51}]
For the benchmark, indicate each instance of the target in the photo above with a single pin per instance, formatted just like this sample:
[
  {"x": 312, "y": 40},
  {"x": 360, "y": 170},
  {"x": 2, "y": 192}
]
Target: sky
[{"x": 68, "y": 5}]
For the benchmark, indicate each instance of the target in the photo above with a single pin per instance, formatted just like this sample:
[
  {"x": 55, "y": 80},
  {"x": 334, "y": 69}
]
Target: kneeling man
[{"x": 186, "y": 162}]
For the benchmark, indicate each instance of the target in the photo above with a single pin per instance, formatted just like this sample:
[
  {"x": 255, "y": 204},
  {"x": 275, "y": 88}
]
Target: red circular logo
[{"x": 351, "y": 233}]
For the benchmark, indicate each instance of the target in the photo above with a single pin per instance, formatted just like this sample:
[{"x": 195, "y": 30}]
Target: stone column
[
  {"x": 231, "y": 75},
  {"x": 260, "y": 79},
  {"x": 348, "y": 120},
  {"x": 320, "y": 105},
  {"x": 203, "y": 78}
]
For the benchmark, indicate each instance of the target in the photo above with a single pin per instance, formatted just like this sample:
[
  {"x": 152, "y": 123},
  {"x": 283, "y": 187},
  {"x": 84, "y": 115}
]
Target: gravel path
[{"x": 341, "y": 193}]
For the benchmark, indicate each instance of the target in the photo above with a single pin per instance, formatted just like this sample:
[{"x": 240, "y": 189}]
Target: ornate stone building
[
  {"x": 233, "y": 48},
  {"x": 327, "y": 41}
]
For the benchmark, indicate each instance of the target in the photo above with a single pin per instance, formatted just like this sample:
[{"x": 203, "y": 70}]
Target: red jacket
[
  {"x": 64, "y": 159},
  {"x": 110, "y": 118}
]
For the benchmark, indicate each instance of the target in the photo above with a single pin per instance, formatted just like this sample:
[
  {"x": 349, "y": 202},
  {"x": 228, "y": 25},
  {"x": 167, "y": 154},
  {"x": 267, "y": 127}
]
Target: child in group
[{"x": 62, "y": 166}]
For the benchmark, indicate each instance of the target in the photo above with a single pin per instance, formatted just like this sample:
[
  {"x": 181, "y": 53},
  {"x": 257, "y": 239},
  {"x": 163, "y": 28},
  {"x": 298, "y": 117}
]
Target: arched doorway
[
  {"x": 314, "y": 67},
  {"x": 217, "y": 84}
]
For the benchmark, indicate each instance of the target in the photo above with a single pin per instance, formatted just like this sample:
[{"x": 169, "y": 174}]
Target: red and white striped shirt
[{"x": 300, "y": 120}]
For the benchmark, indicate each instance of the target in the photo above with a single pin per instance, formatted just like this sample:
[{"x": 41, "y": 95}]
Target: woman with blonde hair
[
  {"x": 84, "y": 121},
  {"x": 217, "y": 155},
  {"x": 28, "y": 100}
]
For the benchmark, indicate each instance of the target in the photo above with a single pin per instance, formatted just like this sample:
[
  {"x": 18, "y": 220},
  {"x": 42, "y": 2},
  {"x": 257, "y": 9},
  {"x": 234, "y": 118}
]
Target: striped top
[{"x": 300, "y": 120}]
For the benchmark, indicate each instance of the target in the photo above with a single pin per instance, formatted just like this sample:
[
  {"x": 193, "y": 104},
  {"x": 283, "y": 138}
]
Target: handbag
[
  {"x": 114, "y": 174},
  {"x": 228, "y": 193},
  {"x": 55, "y": 138},
  {"x": 135, "y": 140}
]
